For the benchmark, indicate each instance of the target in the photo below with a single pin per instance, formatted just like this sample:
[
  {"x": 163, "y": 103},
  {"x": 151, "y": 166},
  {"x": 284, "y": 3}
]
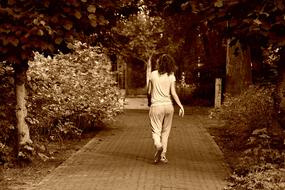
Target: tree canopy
[
  {"x": 262, "y": 20},
  {"x": 143, "y": 34},
  {"x": 50, "y": 25}
]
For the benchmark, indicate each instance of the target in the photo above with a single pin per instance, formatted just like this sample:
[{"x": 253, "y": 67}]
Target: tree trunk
[
  {"x": 280, "y": 96},
  {"x": 238, "y": 69},
  {"x": 21, "y": 109},
  {"x": 148, "y": 69}
]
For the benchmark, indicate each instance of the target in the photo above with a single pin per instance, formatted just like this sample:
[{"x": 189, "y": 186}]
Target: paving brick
[{"x": 121, "y": 159}]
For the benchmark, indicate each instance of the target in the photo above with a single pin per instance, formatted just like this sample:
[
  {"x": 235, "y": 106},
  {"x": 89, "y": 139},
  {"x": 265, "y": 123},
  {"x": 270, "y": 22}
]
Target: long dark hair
[{"x": 166, "y": 64}]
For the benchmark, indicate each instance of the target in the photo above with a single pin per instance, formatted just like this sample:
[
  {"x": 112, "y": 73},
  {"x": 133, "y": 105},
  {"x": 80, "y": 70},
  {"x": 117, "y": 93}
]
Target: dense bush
[
  {"x": 66, "y": 94},
  {"x": 243, "y": 114},
  {"x": 67, "y": 86},
  {"x": 251, "y": 130},
  {"x": 8, "y": 137}
]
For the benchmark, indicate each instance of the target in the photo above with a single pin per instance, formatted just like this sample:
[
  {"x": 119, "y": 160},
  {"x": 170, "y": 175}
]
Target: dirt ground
[
  {"x": 229, "y": 155},
  {"x": 18, "y": 177}
]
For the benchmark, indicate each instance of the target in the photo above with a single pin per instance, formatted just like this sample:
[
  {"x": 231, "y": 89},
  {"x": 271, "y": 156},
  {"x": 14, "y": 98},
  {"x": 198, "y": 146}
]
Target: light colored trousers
[{"x": 161, "y": 121}]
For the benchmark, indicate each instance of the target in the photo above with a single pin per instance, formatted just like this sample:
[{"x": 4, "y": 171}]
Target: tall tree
[
  {"x": 239, "y": 20},
  {"x": 49, "y": 26},
  {"x": 143, "y": 34},
  {"x": 238, "y": 68}
]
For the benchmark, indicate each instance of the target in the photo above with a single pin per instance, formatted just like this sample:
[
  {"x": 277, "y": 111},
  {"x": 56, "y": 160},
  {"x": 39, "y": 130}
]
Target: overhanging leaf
[
  {"x": 91, "y": 9},
  {"x": 4, "y": 30},
  {"x": 257, "y": 21},
  {"x": 92, "y": 17},
  {"x": 102, "y": 20},
  {"x": 68, "y": 25},
  {"x": 280, "y": 5},
  {"x": 40, "y": 32},
  {"x": 219, "y": 3},
  {"x": 58, "y": 41},
  {"x": 14, "y": 42},
  {"x": 93, "y": 23},
  {"x": 11, "y": 2},
  {"x": 77, "y": 14}
]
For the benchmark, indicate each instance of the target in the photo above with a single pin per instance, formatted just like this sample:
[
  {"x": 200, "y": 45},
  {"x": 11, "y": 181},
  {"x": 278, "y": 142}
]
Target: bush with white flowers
[{"x": 71, "y": 85}]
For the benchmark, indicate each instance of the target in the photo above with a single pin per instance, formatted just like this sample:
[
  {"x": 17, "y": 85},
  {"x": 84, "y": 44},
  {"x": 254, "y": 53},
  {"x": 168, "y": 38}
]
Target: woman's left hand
[{"x": 181, "y": 111}]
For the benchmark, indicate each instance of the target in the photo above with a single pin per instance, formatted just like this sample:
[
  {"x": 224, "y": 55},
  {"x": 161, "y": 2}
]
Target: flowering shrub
[
  {"x": 69, "y": 85},
  {"x": 251, "y": 129},
  {"x": 243, "y": 114}
]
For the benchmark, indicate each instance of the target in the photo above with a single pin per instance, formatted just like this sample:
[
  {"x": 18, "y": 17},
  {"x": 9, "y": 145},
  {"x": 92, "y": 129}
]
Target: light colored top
[{"x": 160, "y": 93}]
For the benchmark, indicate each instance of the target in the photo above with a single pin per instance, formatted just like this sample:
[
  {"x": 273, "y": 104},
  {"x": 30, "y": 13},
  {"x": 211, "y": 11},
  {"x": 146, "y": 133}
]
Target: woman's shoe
[
  {"x": 157, "y": 156},
  {"x": 164, "y": 160}
]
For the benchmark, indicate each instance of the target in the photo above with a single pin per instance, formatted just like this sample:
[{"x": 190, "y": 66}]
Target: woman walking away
[{"x": 161, "y": 90}]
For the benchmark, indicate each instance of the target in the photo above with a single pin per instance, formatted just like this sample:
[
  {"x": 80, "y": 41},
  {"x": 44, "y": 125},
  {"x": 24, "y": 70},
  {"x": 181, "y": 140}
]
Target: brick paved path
[{"x": 120, "y": 158}]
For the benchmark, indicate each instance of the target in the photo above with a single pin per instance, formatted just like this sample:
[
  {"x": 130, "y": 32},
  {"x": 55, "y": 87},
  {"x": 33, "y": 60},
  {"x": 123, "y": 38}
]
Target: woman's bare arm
[
  {"x": 149, "y": 88},
  {"x": 176, "y": 98}
]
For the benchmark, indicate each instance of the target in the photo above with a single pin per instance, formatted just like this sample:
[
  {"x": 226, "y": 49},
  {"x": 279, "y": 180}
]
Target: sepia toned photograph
[{"x": 142, "y": 94}]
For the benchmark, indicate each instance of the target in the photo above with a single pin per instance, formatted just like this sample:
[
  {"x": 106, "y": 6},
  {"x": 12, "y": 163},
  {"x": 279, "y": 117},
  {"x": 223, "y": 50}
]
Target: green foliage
[
  {"x": 142, "y": 32},
  {"x": 7, "y": 115},
  {"x": 252, "y": 110},
  {"x": 251, "y": 130},
  {"x": 142, "y": 36},
  {"x": 271, "y": 58},
  {"x": 265, "y": 177},
  {"x": 70, "y": 85},
  {"x": 49, "y": 25},
  {"x": 252, "y": 21},
  {"x": 66, "y": 95}
]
